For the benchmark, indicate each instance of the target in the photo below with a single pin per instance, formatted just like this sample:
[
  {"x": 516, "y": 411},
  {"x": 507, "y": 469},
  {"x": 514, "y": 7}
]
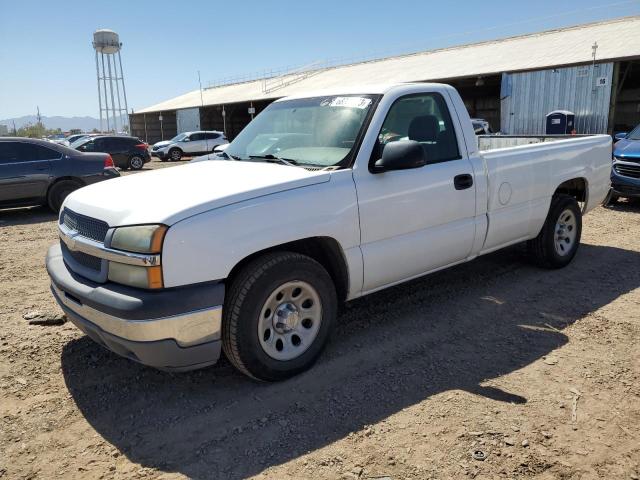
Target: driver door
[
  {"x": 418, "y": 220},
  {"x": 194, "y": 145}
]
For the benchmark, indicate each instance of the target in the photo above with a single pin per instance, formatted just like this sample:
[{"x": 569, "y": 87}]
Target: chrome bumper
[
  {"x": 188, "y": 329},
  {"x": 172, "y": 329}
]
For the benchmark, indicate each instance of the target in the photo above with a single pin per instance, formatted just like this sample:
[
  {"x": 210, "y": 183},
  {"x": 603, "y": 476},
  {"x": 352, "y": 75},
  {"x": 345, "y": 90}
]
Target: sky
[{"x": 47, "y": 59}]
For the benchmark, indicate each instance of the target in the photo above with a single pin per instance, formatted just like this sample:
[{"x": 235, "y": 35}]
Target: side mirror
[
  {"x": 621, "y": 135},
  {"x": 186, "y": 139},
  {"x": 400, "y": 155}
]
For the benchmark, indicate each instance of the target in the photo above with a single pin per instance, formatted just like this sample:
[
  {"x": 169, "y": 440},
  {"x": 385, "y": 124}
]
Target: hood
[
  {"x": 627, "y": 150},
  {"x": 171, "y": 194},
  {"x": 163, "y": 143}
]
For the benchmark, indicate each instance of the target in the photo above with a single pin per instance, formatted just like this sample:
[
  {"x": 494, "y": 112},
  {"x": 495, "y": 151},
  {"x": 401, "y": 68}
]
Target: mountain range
[{"x": 85, "y": 124}]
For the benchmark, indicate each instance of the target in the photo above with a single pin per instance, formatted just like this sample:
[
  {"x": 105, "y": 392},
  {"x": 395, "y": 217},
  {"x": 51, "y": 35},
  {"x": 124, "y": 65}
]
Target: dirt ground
[{"x": 537, "y": 371}]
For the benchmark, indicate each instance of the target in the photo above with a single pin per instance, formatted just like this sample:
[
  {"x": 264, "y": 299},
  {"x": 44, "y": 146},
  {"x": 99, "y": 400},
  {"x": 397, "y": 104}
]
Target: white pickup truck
[{"x": 321, "y": 199}]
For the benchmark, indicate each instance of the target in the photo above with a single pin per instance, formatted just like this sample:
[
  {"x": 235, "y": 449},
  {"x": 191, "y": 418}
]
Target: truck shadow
[{"x": 455, "y": 330}]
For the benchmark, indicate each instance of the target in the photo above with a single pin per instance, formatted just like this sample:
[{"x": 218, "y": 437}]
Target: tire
[
  {"x": 175, "y": 154},
  {"x": 558, "y": 241},
  {"x": 59, "y": 191},
  {"x": 250, "y": 333},
  {"x": 610, "y": 199},
  {"x": 136, "y": 162}
]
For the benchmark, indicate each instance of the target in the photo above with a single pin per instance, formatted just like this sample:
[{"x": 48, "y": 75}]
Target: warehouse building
[{"x": 592, "y": 70}]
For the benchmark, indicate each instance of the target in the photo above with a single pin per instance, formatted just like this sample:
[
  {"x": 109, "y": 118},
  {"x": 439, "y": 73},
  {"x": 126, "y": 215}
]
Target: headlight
[
  {"x": 139, "y": 239},
  {"x": 146, "y": 239},
  {"x": 134, "y": 276}
]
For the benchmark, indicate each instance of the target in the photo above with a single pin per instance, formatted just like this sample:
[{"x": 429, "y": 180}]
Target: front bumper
[
  {"x": 623, "y": 185},
  {"x": 174, "y": 329},
  {"x": 160, "y": 154}
]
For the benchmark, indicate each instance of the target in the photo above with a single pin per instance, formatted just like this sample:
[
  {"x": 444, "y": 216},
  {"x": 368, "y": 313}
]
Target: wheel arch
[
  {"x": 63, "y": 179},
  {"x": 577, "y": 187},
  {"x": 324, "y": 250}
]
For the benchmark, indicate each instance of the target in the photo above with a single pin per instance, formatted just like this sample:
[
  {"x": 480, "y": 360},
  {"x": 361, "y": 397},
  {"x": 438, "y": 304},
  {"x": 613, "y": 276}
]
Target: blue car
[{"x": 625, "y": 172}]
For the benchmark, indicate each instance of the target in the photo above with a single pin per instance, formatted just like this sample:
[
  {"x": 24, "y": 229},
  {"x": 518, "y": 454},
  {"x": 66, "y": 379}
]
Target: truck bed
[{"x": 494, "y": 142}]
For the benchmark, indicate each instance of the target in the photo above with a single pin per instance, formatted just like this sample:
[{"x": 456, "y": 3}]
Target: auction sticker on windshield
[{"x": 351, "y": 102}]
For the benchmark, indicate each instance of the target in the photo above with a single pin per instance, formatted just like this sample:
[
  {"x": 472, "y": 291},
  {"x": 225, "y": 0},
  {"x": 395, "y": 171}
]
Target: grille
[
  {"x": 88, "y": 261},
  {"x": 85, "y": 226},
  {"x": 632, "y": 171}
]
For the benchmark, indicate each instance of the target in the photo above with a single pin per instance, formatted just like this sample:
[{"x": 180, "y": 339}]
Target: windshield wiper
[
  {"x": 228, "y": 155},
  {"x": 271, "y": 157}
]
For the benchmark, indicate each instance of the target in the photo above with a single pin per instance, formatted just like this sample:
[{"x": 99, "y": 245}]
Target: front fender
[{"x": 207, "y": 246}]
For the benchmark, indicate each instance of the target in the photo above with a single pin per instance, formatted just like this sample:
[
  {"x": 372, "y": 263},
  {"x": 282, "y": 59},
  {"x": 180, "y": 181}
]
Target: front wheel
[
  {"x": 175, "y": 154},
  {"x": 558, "y": 241},
  {"x": 610, "y": 199},
  {"x": 278, "y": 316}
]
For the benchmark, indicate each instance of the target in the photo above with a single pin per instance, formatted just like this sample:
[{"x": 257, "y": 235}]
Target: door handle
[{"x": 462, "y": 182}]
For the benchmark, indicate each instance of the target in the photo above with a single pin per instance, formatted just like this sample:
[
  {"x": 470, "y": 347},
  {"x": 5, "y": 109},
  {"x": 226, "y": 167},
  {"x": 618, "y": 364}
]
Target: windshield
[
  {"x": 320, "y": 131},
  {"x": 635, "y": 134},
  {"x": 178, "y": 137},
  {"x": 80, "y": 141}
]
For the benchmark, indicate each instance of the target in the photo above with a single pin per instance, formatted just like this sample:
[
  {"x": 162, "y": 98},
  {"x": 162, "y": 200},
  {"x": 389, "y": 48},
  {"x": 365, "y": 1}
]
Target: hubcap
[
  {"x": 175, "y": 155},
  {"x": 565, "y": 233},
  {"x": 136, "y": 162},
  {"x": 289, "y": 320}
]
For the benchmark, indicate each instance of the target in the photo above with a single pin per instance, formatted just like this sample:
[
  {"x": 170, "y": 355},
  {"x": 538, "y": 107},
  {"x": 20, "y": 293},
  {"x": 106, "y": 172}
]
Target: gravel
[{"x": 480, "y": 357}]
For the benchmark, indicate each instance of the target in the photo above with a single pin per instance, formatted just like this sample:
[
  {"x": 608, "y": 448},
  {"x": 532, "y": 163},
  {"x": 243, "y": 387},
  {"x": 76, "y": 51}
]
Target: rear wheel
[
  {"x": 136, "y": 162},
  {"x": 278, "y": 316},
  {"x": 59, "y": 191},
  {"x": 175, "y": 154},
  {"x": 558, "y": 241}
]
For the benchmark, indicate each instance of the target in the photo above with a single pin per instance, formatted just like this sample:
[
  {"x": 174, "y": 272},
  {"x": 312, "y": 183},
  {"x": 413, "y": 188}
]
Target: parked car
[
  {"x": 72, "y": 138},
  {"x": 56, "y": 138},
  {"x": 215, "y": 155},
  {"x": 38, "y": 172},
  {"x": 625, "y": 171},
  {"x": 188, "y": 143},
  {"x": 253, "y": 254},
  {"x": 481, "y": 126},
  {"x": 127, "y": 152}
]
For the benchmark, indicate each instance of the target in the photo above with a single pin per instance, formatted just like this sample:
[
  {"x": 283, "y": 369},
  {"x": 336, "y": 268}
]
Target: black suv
[
  {"x": 36, "y": 172},
  {"x": 127, "y": 152}
]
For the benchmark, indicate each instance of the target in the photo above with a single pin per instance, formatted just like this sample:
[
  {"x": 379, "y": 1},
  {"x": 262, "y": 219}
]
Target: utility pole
[{"x": 594, "y": 49}]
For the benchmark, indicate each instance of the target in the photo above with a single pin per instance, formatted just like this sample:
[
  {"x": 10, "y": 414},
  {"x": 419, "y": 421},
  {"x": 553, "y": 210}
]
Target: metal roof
[{"x": 618, "y": 39}]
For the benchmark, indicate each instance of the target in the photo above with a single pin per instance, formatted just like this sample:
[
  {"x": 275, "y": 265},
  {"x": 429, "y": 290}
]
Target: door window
[
  {"x": 211, "y": 136},
  {"x": 424, "y": 118},
  {"x": 196, "y": 136},
  {"x": 31, "y": 152},
  {"x": 11, "y": 152},
  {"x": 88, "y": 147}
]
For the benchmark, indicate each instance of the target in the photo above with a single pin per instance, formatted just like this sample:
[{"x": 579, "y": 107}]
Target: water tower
[{"x": 112, "y": 96}]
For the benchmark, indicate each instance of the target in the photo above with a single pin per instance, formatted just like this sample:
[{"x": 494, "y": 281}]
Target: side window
[
  {"x": 88, "y": 147},
  {"x": 197, "y": 136},
  {"x": 424, "y": 118},
  {"x": 30, "y": 152},
  {"x": 121, "y": 143},
  {"x": 211, "y": 136},
  {"x": 9, "y": 152},
  {"x": 99, "y": 145}
]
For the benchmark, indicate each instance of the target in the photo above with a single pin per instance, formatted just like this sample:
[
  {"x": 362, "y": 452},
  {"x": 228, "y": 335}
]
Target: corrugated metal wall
[
  {"x": 527, "y": 97},
  {"x": 188, "y": 119}
]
